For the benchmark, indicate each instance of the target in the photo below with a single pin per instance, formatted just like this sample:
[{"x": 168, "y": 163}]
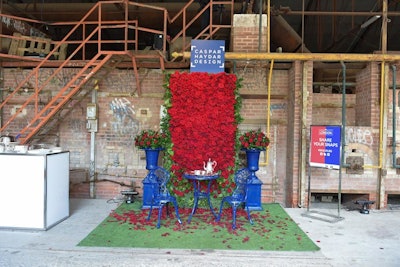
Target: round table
[{"x": 198, "y": 193}]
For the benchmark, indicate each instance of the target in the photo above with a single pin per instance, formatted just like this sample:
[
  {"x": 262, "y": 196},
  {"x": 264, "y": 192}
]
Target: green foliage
[
  {"x": 168, "y": 152},
  {"x": 238, "y": 119}
]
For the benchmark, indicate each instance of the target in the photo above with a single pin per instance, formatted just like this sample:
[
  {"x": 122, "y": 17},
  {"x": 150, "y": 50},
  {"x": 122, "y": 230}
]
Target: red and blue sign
[
  {"x": 207, "y": 56},
  {"x": 325, "y": 146}
]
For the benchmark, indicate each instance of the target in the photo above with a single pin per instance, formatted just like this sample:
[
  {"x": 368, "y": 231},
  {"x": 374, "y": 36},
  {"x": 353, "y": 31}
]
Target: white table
[{"x": 34, "y": 189}]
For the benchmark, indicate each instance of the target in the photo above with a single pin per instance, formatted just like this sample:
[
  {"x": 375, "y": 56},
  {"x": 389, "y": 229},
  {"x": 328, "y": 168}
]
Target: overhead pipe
[
  {"x": 394, "y": 106},
  {"x": 363, "y": 28},
  {"x": 285, "y": 36},
  {"x": 290, "y": 57}
]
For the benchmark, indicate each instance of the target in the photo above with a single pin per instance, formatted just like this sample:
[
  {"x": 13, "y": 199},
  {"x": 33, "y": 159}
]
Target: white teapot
[{"x": 210, "y": 166}]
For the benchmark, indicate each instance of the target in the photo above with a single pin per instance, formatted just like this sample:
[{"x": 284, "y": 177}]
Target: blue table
[{"x": 198, "y": 193}]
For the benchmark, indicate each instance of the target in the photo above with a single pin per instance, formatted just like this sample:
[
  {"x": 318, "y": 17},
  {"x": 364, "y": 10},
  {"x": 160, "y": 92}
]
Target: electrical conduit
[{"x": 394, "y": 107}]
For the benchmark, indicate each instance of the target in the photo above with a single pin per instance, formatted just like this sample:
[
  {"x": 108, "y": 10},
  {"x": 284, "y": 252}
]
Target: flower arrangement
[
  {"x": 254, "y": 139},
  {"x": 150, "y": 139},
  {"x": 201, "y": 127}
]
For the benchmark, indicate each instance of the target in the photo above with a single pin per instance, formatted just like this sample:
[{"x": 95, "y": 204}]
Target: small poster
[
  {"x": 207, "y": 56},
  {"x": 325, "y": 146}
]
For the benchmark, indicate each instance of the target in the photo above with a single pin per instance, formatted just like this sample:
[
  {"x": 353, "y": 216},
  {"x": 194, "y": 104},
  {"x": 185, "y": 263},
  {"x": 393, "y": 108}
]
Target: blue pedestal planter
[
  {"x": 149, "y": 185},
  {"x": 152, "y": 158},
  {"x": 254, "y": 184},
  {"x": 149, "y": 182}
]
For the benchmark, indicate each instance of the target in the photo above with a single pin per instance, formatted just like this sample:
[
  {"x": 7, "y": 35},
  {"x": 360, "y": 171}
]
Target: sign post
[
  {"x": 325, "y": 146},
  {"x": 325, "y": 152}
]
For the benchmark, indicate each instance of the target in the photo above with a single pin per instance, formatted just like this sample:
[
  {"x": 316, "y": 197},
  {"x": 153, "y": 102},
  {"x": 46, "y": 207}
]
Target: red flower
[
  {"x": 150, "y": 139},
  {"x": 254, "y": 140},
  {"x": 202, "y": 123}
]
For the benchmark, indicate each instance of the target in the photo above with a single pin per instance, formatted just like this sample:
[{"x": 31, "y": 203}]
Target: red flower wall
[{"x": 202, "y": 125}]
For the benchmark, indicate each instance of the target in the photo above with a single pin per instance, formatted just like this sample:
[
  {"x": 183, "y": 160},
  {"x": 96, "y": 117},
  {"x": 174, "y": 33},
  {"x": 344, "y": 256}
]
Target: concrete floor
[{"x": 357, "y": 240}]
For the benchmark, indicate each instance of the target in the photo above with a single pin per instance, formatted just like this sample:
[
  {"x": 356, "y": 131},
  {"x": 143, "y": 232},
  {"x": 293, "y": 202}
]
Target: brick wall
[
  {"x": 254, "y": 77},
  {"x": 245, "y": 33},
  {"x": 367, "y": 91},
  {"x": 327, "y": 109},
  {"x": 123, "y": 113}
]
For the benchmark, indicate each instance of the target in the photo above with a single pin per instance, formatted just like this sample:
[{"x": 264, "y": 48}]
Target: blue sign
[
  {"x": 207, "y": 56},
  {"x": 325, "y": 146}
]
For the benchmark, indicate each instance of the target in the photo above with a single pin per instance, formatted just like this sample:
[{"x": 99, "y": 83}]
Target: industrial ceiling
[{"x": 324, "y": 26}]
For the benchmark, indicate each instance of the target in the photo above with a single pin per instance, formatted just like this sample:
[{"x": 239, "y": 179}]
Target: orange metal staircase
[
  {"x": 46, "y": 116},
  {"x": 74, "y": 90}
]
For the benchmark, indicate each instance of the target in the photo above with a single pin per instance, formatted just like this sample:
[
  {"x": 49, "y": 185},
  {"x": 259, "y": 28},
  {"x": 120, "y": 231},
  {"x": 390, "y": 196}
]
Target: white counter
[{"x": 34, "y": 190}]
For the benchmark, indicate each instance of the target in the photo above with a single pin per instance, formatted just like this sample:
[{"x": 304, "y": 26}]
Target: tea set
[{"x": 208, "y": 168}]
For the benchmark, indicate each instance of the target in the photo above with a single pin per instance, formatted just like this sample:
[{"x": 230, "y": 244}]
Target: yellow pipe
[
  {"x": 290, "y": 57},
  {"x": 383, "y": 96},
  {"x": 382, "y": 103},
  {"x": 268, "y": 25},
  {"x": 381, "y": 114},
  {"x": 271, "y": 67}
]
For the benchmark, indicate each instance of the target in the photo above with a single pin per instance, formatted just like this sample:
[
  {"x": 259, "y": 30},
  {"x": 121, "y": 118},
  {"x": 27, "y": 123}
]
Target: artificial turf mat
[{"x": 273, "y": 230}]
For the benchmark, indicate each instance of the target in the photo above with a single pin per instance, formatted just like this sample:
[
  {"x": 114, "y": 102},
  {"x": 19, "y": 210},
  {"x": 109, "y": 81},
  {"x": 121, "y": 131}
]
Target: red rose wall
[{"x": 202, "y": 126}]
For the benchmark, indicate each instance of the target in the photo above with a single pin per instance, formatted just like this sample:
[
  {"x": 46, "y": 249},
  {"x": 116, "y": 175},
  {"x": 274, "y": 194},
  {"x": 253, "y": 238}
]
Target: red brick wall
[
  {"x": 122, "y": 113},
  {"x": 327, "y": 109},
  {"x": 294, "y": 168},
  {"x": 362, "y": 138},
  {"x": 367, "y": 91},
  {"x": 121, "y": 117},
  {"x": 255, "y": 77},
  {"x": 245, "y": 33}
]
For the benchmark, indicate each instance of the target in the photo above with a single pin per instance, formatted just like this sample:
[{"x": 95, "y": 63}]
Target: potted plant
[
  {"x": 150, "y": 139},
  {"x": 254, "y": 140},
  {"x": 151, "y": 142}
]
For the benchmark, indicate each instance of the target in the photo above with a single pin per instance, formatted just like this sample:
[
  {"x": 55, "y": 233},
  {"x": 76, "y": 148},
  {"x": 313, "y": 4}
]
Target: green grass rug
[{"x": 273, "y": 230}]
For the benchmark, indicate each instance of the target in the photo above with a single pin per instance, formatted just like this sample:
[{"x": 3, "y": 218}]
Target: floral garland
[{"x": 203, "y": 112}]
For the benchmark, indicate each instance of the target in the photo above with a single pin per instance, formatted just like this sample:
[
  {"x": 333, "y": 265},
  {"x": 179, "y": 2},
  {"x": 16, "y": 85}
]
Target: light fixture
[{"x": 370, "y": 21}]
